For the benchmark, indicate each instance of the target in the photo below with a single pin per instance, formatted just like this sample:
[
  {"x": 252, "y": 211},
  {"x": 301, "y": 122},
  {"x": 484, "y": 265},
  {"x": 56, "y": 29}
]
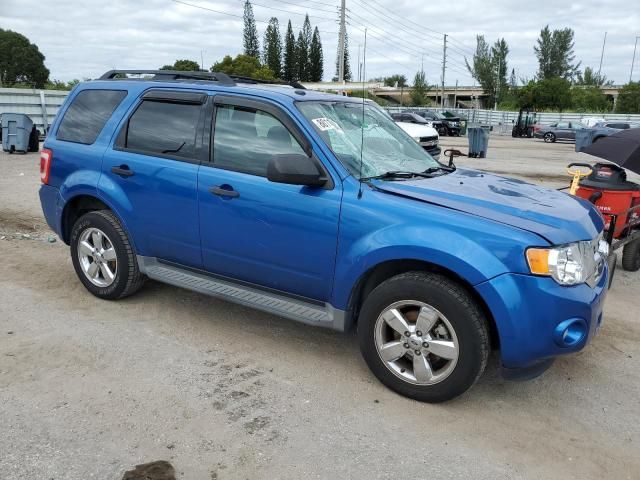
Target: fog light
[{"x": 570, "y": 332}]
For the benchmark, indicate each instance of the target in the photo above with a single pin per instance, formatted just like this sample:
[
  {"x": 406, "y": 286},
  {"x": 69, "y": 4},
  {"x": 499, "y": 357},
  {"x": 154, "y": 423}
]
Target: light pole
[{"x": 633, "y": 61}]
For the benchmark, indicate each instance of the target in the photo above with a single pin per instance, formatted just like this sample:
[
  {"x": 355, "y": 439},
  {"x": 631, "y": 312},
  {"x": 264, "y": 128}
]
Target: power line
[
  {"x": 301, "y": 6},
  {"x": 208, "y": 9},
  {"x": 420, "y": 28},
  {"x": 287, "y": 11},
  {"x": 368, "y": 23}
]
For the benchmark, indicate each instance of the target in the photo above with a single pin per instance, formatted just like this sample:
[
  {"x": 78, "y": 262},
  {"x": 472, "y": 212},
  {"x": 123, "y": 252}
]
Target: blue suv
[{"x": 319, "y": 208}]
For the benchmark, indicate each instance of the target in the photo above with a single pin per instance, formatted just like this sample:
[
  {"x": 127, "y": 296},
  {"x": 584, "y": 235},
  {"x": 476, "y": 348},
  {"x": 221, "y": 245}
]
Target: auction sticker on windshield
[{"x": 325, "y": 124}]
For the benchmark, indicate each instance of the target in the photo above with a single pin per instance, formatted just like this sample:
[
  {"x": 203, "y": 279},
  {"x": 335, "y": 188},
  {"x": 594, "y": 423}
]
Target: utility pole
[
  {"x": 495, "y": 104},
  {"x": 455, "y": 95},
  {"x": 602, "y": 54},
  {"x": 444, "y": 68},
  {"x": 201, "y": 60},
  {"x": 341, "y": 42},
  {"x": 634, "y": 59},
  {"x": 359, "y": 64}
]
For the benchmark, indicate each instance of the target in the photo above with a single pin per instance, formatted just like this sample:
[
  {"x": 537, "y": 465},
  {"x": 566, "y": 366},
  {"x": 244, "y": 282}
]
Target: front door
[
  {"x": 152, "y": 171},
  {"x": 279, "y": 236}
]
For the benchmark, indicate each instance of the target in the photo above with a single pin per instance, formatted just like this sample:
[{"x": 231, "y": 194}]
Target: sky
[{"x": 83, "y": 39}]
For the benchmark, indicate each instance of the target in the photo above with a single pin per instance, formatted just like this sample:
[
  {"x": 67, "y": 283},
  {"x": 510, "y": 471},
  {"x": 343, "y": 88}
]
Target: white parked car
[{"x": 426, "y": 136}]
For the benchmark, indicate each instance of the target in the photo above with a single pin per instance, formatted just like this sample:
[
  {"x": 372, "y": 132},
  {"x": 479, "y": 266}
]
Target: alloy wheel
[
  {"x": 416, "y": 342},
  {"x": 97, "y": 256}
]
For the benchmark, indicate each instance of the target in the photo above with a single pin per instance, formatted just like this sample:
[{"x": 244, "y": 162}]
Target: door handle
[
  {"x": 223, "y": 192},
  {"x": 122, "y": 170}
]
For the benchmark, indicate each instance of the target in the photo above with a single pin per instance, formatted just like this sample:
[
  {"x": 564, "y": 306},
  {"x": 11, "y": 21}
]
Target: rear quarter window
[{"x": 86, "y": 116}]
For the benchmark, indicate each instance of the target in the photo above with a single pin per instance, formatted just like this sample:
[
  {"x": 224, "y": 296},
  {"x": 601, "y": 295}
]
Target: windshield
[{"x": 387, "y": 148}]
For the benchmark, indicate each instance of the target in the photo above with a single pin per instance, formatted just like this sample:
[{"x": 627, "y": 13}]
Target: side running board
[{"x": 321, "y": 315}]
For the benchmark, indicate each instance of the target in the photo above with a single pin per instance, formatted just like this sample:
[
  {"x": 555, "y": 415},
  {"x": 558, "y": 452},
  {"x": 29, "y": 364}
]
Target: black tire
[
  {"x": 462, "y": 312},
  {"x": 128, "y": 278},
  {"x": 549, "y": 137},
  {"x": 631, "y": 256}
]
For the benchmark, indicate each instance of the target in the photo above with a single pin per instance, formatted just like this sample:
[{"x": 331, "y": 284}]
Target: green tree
[
  {"x": 489, "y": 67},
  {"x": 499, "y": 52},
  {"x": 303, "y": 50},
  {"x": 272, "y": 54},
  {"x": 316, "y": 58},
  {"x": 20, "y": 61},
  {"x": 243, "y": 66},
  {"x": 250, "y": 32},
  {"x": 554, "y": 51},
  {"x": 289, "y": 70},
  {"x": 183, "y": 66},
  {"x": 592, "y": 78},
  {"x": 549, "y": 94},
  {"x": 347, "y": 67},
  {"x": 60, "y": 85},
  {"x": 589, "y": 98},
  {"x": 629, "y": 98},
  {"x": 397, "y": 80},
  {"x": 420, "y": 89}
]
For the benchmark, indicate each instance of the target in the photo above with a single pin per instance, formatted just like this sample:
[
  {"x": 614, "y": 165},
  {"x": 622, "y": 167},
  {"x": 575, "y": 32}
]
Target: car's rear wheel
[
  {"x": 423, "y": 336},
  {"x": 631, "y": 256},
  {"x": 549, "y": 137},
  {"x": 103, "y": 256}
]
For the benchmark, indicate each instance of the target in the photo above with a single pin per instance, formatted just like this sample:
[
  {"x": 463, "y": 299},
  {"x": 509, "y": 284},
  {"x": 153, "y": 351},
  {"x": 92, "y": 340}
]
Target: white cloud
[{"x": 86, "y": 38}]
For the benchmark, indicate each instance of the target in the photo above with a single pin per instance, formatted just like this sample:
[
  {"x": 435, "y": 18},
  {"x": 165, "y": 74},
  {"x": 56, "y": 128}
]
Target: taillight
[{"x": 45, "y": 165}]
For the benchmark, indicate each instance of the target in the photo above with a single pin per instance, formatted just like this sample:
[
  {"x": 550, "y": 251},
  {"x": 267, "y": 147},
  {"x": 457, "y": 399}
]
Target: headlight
[
  {"x": 417, "y": 139},
  {"x": 570, "y": 264}
]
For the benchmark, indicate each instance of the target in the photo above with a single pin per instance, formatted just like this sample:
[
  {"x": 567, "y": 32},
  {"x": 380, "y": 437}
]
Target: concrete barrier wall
[{"x": 41, "y": 105}]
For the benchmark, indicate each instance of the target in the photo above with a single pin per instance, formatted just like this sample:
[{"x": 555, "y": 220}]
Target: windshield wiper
[
  {"x": 397, "y": 174},
  {"x": 440, "y": 168}
]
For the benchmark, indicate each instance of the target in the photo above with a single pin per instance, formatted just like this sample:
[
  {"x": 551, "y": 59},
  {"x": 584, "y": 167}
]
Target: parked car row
[{"x": 567, "y": 130}]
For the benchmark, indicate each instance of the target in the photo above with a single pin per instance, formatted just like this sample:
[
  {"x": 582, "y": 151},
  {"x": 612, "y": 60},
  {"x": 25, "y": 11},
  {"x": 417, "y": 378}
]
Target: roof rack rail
[
  {"x": 219, "y": 77},
  {"x": 294, "y": 83}
]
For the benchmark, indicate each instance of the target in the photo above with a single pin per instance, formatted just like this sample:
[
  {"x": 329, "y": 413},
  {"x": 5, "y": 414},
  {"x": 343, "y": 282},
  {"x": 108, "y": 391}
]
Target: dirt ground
[{"x": 90, "y": 388}]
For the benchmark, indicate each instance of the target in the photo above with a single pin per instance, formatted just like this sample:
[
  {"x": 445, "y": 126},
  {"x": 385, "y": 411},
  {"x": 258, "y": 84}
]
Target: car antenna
[{"x": 364, "y": 92}]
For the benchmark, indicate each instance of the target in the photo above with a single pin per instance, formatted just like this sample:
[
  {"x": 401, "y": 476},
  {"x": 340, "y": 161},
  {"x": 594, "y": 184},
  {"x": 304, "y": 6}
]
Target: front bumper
[
  {"x": 433, "y": 150},
  {"x": 528, "y": 310}
]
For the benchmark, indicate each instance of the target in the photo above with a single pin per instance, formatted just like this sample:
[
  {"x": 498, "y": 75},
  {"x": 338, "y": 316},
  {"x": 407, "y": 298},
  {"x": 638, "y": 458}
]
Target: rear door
[
  {"x": 563, "y": 130},
  {"x": 152, "y": 170},
  {"x": 275, "y": 235}
]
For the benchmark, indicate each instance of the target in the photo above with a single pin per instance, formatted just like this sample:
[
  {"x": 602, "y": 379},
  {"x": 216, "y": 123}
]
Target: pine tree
[
  {"x": 289, "y": 71},
  {"x": 250, "y": 35},
  {"x": 316, "y": 60},
  {"x": 347, "y": 68},
  {"x": 272, "y": 55},
  {"x": 303, "y": 45},
  {"x": 307, "y": 37}
]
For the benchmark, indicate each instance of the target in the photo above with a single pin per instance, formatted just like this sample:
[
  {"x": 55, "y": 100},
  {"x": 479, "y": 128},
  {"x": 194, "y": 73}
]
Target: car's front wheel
[
  {"x": 549, "y": 137},
  {"x": 103, "y": 256},
  {"x": 423, "y": 336}
]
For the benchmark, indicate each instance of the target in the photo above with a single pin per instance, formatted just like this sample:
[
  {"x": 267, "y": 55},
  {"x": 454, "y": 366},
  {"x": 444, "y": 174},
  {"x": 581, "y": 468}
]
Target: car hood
[
  {"x": 417, "y": 130},
  {"x": 555, "y": 216}
]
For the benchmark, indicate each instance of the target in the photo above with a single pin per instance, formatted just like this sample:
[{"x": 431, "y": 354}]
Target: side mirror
[{"x": 295, "y": 169}]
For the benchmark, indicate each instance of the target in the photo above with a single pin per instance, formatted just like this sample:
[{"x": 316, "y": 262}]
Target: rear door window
[
  {"x": 163, "y": 128},
  {"x": 86, "y": 116}
]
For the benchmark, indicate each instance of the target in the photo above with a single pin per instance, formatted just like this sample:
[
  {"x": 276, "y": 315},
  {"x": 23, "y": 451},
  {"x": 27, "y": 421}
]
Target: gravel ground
[{"x": 90, "y": 388}]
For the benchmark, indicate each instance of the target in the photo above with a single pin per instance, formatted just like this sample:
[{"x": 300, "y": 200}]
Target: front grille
[{"x": 428, "y": 139}]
